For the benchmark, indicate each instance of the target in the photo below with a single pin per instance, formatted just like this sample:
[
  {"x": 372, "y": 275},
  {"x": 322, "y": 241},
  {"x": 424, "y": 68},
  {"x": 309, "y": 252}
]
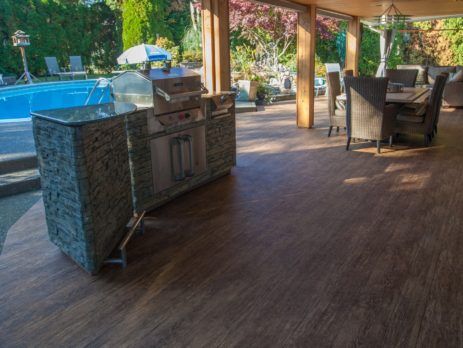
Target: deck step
[
  {"x": 17, "y": 164},
  {"x": 242, "y": 106},
  {"x": 19, "y": 181}
]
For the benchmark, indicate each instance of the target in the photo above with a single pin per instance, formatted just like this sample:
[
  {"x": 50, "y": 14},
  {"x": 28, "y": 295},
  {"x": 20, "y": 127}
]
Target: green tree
[
  {"x": 60, "y": 28},
  {"x": 370, "y": 53},
  {"x": 107, "y": 36},
  {"x": 455, "y": 36},
  {"x": 143, "y": 21},
  {"x": 178, "y": 19}
]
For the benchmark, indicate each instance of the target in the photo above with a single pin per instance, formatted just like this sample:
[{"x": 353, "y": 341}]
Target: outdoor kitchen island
[{"x": 101, "y": 164}]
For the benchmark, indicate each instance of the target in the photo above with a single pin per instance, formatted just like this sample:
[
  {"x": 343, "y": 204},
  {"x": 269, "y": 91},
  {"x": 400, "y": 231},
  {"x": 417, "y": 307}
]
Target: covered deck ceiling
[{"x": 370, "y": 8}]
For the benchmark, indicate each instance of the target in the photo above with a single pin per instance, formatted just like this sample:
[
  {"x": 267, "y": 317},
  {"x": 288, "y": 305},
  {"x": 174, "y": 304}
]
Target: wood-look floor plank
[{"x": 304, "y": 245}]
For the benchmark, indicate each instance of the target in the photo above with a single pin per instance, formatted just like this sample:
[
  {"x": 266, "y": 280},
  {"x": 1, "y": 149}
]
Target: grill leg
[
  {"x": 329, "y": 132},
  {"x": 348, "y": 143},
  {"x": 378, "y": 146}
]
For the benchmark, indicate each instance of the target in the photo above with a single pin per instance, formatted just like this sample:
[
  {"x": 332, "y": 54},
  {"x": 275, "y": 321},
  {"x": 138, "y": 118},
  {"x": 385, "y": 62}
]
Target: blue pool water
[{"x": 16, "y": 103}]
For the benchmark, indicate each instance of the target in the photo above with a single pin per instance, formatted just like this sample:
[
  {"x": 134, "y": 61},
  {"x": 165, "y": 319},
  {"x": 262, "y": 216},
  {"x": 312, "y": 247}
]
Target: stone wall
[
  {"x": 140, "y": 159},
  {"x": 86, "y": 187},
  {"x": 221, "y": 143}
]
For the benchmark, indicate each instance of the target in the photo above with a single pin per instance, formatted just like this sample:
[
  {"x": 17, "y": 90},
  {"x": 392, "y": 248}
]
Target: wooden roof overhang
[
  {"x": 216, "y": 43},
  {"x": 371, "y": 8}
]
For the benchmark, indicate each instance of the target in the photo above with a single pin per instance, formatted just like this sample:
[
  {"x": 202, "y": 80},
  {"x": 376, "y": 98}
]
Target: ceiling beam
[
  {"x": 287, "y": 4},
  {"x": 333, "y": 14}
]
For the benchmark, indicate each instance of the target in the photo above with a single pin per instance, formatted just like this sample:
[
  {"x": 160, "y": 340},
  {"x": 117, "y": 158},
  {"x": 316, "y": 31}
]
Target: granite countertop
[{"x": 78, "y": 116}]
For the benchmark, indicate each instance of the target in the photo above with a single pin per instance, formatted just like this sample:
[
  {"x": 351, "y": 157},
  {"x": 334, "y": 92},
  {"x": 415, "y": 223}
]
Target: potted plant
[
  {"x": 243, "y": 58},
  {"x": 264, "y": 94},
  {"x": 248, "y": 89}
]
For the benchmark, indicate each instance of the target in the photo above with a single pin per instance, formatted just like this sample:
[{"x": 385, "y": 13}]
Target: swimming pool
[{"x": 16, "y": 103}]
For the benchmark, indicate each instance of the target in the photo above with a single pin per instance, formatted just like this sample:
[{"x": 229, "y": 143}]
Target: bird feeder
[{"x": 20, "y": 39}]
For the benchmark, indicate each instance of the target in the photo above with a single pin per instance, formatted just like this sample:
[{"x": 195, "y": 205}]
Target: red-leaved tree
[{"x": 272, "y": 29}]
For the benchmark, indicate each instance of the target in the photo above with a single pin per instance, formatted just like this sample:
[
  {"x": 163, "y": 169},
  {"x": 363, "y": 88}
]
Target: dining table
[{"x": 409, "y": 95}]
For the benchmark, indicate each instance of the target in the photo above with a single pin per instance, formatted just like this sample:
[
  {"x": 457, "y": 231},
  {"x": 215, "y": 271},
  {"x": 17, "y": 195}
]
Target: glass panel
[{"x": 133, "y": 88}]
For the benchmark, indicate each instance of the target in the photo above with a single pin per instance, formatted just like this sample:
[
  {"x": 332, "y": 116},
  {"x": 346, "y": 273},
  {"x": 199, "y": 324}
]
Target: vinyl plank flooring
[{"x": 304, "y": 245}]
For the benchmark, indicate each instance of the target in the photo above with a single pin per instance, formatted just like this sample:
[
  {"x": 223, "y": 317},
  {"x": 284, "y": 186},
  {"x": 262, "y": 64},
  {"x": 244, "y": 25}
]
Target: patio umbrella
[
  {"x": 143, "y": 53},
  {"x": 386, "y": 41}
]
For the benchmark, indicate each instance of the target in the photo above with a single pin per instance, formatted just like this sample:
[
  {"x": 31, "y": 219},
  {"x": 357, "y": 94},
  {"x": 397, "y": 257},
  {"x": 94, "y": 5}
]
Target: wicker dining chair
[
  {"x": 437, "y": 116},
  {"x": 368, "y": 116},
  {"x": 424, "y": 125},
  {"x": 405, "y": 76},
  {"x": 336, "y": 110}
]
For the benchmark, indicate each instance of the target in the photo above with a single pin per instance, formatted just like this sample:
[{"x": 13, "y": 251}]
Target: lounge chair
[
  {"x": 7, "y": 80},
  {"x": 53, "y": 67},
  {"x": 320, "y": 86},
  {"x": 336, "y": 110},
  {"x": 77, "y": 68}
]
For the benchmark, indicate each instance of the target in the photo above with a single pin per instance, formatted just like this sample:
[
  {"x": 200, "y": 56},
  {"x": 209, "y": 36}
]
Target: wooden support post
[
  {"x": 216, "y": 45},
  {"x": 353, "y": 40},
  {"x": 306, "y": 36},
  {"x": 222, "y": 45},
  {"x": 208, "y": 45}
]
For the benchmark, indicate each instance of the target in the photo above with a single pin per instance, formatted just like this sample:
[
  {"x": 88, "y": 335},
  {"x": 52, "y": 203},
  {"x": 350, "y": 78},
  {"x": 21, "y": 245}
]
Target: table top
[{"x": 409, "y": 95}]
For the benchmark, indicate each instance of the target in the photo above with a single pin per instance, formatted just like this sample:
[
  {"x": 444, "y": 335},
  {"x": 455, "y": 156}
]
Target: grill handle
[
  {"x": 177, "y": 142},
  {"x": 188, "y": 139},
  {"x": 172, "y": 98}
]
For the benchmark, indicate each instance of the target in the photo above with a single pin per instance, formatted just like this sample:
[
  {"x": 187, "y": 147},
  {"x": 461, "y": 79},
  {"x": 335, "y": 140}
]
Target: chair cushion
[
  {"x": 414, "y": 109},
  {"x": 433, "y": 71},
  {"x": 457, "y": 77},
  {"x": 410, "y": 118},
  {"x": 341, "y": 105}
]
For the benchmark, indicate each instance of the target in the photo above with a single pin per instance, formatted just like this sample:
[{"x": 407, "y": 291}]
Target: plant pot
[
  {"x": 261, "y": 98},
  {"x": 248, "y": 90}
]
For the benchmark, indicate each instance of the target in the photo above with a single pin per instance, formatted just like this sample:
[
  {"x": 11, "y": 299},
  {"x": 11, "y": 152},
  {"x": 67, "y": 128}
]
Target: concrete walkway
[{"x": 16, "y": 140}]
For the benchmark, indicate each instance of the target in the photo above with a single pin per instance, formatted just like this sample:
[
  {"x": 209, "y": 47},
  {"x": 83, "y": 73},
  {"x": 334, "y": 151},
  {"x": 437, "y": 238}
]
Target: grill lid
[{"x": 173, "y": 73}]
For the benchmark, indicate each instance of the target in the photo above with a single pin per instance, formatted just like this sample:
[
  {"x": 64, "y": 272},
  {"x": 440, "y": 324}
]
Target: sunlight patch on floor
[
  {"x": 356, "y": 181},
  {"x": 412, "y": 182}
]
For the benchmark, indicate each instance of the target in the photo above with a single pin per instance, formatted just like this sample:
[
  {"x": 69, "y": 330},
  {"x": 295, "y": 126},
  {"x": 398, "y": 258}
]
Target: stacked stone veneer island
[
  {"x": 96, "y": 168},
  {"x": 84, "y": 167}
]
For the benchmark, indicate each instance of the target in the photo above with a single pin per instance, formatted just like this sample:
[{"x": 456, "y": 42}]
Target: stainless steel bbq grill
[
  {"x": 165, "y": 91},
  {"x": 175, "y": 122}
]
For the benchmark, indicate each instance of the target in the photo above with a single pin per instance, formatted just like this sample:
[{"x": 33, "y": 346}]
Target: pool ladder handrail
[{"x": 98, "y": 82}]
